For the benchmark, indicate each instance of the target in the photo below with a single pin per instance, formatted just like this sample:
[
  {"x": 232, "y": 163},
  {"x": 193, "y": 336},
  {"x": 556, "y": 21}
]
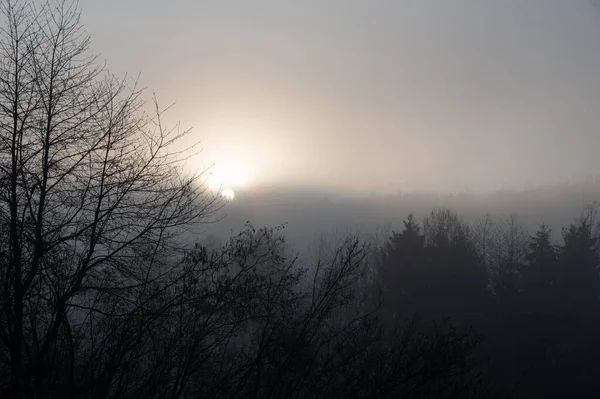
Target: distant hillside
[{"x": 309, "y": 213}]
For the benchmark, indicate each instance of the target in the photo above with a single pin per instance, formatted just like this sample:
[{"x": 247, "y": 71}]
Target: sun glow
[
  {"x": 228, "y": 194},
  {"x": 221, "y": 179}
]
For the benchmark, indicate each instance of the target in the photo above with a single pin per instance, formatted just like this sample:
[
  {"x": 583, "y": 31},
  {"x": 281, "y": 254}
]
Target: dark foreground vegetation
[
  {"x": 533, "y": 298},
  {"x": 102, "y": 297}
]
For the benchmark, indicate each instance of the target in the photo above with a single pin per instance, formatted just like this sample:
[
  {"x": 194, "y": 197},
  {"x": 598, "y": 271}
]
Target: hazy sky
[{"x": 371, "y": 95}]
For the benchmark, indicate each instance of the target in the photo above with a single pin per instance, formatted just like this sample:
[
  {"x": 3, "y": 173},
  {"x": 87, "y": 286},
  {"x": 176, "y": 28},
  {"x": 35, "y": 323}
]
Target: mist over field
[{"x": 310, "y": 213}]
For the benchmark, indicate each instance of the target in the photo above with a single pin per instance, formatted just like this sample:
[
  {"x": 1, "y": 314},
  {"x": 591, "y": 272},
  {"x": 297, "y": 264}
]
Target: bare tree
[
  {"x": 325, "y": 339},
  {"x": 92, "y": 194},
  {"x": 512, "y": 239},
  {"x": 443, "y": 226},
  {"x": 484, "y": 238}
]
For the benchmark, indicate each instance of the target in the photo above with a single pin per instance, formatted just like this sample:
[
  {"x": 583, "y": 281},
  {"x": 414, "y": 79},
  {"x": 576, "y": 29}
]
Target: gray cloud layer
[{"x": 373, "y": 96}]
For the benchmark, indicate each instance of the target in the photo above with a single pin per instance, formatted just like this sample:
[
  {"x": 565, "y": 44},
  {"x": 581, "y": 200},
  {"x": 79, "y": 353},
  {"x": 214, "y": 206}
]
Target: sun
[
  {"x": 226, "y": 177},
  {"x": 228, "y": 194}
]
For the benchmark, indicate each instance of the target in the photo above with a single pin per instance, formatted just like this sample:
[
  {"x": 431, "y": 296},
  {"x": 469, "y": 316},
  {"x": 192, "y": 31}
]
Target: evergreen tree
[
  {"x": 579, "y": 321},
  {"x": 402, "y": 269},
  {"x": 457, "y": 278}
]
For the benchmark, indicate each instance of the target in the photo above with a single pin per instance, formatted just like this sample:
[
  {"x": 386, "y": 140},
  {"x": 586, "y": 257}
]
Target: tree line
[{"x": 532, "y": 296}]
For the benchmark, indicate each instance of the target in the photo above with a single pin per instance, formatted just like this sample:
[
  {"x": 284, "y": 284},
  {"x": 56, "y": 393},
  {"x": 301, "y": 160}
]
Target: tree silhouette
[
  {"x": 579, "y": 322},
  {"x": 92, "y": 197},
  {"x": 403, "y": 270},
  {"x": 458, "y": 280}
]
